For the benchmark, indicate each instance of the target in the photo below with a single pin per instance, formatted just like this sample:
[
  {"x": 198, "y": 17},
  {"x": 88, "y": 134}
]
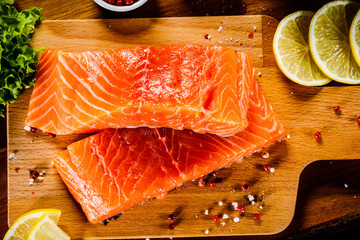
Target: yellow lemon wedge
[
  {"x": 329, "y": 41},
  {"x": 355, "y": 37},
  {"x": 292, "y": 52},
  {"x": 46, "y": 229},
  {"x": 22, "y": 226}
]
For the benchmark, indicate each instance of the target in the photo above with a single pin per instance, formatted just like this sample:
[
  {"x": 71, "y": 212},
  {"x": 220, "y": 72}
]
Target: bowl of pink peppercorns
[{"x": 120, "y": 5}]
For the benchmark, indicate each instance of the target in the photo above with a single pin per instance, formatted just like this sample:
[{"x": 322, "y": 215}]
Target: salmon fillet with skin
[
  {"x": 202, "y": 88},
  {"x": 113, "y": 170}
]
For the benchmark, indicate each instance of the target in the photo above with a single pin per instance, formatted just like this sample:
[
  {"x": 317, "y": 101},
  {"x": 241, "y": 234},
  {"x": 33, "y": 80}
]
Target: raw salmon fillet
[
  {"x": 202, "y": 88},
  {"x": 116, "y": 169}
]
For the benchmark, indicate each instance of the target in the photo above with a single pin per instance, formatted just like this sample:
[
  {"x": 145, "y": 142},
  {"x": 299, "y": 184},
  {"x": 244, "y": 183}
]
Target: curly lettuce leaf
[{"x": 18, "y": 61}]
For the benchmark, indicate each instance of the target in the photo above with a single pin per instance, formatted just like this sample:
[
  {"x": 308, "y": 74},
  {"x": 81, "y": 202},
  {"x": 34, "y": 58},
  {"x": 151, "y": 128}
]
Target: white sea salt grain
[
  {"x": 27, "y": 128},
  {"x": 207, "y": 231},
  {"x": 220, "y": 29},
  {"x": 345, "y": 185},
  {"x": 222, "y": 224},
  {"x": 225, "y": 216},
  {"x": 288, "y": 136},
  {"x": 259, "y": 74},
  {"x": 206, "y": 212},
  {"x": 235, "y": 204},
  {"x": 31, "y": 181},
  {"x": 251, "y": 197},
  {"x": 252, "y": 202},
  {"x": 221, "y": 203},
  {"x": 254, "y": 28},
  {"x": 11, "y": 155},
  {"x": 272, "y": 170},
  {"x": 236, "y": 219}
]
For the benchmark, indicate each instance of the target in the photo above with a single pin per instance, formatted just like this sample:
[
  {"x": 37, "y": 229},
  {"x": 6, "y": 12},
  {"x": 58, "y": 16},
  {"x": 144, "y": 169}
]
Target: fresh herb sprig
[{"x": 18, "y": 61}]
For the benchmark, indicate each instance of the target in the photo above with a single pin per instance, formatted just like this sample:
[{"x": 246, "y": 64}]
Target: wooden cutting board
[{"x": 303, "y": 111}]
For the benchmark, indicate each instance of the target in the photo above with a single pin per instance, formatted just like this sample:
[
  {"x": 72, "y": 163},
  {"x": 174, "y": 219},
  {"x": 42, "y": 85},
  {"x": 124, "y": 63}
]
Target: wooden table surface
[{"x": 325, "y": 207}]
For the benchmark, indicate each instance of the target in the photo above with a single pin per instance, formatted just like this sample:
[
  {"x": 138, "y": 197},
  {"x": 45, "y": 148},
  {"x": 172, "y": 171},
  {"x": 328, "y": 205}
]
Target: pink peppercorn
[
  {"x": 256, "y": 216},
  {"x": 171, "y": 217},
  {"x": 171, "y": 226},
  {"x": 33, "y": 130},
  {"x": 245, "y": 187},
  {"x": 201, "y": 182},
  {"x": 337, "y": 108},
  {"x": 251, "y": 35},
  {"x": 317, "y": 135},
  {"x": 241, "y": 208},
  {"x": 212, "y": 183},
  {"x": 52, "y": 135},
  {"x": 216, "y": 218},
  {"x": 267, "y": 168},
  {"x": 358, "y": 120}
]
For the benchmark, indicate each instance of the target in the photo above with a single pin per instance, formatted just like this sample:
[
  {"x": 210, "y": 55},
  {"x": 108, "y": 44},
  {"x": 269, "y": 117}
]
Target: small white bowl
[{"x": 123, "y": 8}]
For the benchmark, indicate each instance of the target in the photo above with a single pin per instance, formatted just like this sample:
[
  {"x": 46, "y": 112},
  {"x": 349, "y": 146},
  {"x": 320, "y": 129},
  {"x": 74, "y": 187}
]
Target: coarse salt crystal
[
  {"x": 346, "y": 186},
  {"x": 261, "y": 207},
  {"x": 207, "y": 231},
  {"x": 31, "y": 181},
  {"x": 260, "y": 56},
  {"x": 288, "y": 136},
  {"x": 272, "y": 170},
  {"x": 221, "y": 203},
  {"x": 251, "y": 197},
  {"x": 11, "y": 155},
  {"x": 222, "y": 224},
  {"x": 236, "y": 219},
  {"x": 220, "y": 29},
  {"x": 206, "y": 212},
  {"x": 52, "y": 162},
  {"x": 27, "y": 128},
  {"x": 254, "y": 28},
  {"x": 259, "y": 74},
  {"x": 40, "y": 178},
  {"x": 235, "y": 204},
  {"x": 354, "y": 196},
  {"x": 252, "y": 203},
  {"x": 225, "y": 216}
]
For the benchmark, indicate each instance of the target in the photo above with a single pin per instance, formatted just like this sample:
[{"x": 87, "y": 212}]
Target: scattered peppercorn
[
  {"x": 241, "y": 208},
  {"x": 267, "y": 168},
  {"x": 337, "y": 108},
  {"x": 171, "y": 226},
  {"x": 171, "y": 217},
  {"x": 201, "y": 182},
  {"x": 317, "y": 135},
  {"x": 207, "y": 36},
  {"x": 33, "y": 130},
  {"x": 52, "y": 135},
  {"x": 242, "y": 10},
  {"x": 245, "y": 187}
]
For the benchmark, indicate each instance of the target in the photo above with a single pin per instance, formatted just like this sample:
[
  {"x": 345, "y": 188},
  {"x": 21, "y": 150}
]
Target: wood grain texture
[{"x": 298, "y": 107}]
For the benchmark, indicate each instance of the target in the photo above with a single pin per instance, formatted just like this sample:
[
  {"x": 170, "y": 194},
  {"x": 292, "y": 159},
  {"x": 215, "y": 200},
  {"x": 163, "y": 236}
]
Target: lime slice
[
  {"x": 21, "y": 227},
  {"x": 46, "y": 229},
  {"x": 355, "y": 37},
  {"x": 329, "y": 41},
  {"x": 292, "y": 52}
]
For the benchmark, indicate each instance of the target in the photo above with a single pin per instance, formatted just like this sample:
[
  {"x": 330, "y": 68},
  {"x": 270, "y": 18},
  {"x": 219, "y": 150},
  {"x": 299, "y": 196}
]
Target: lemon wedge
[
  {"x": 329, "y": 41},
  {"x": 292, "y": 52},
  {"x": 355, "y": 37},
  {"x": 46, "y": 229},
  {"x": 22, "y": 226}
]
